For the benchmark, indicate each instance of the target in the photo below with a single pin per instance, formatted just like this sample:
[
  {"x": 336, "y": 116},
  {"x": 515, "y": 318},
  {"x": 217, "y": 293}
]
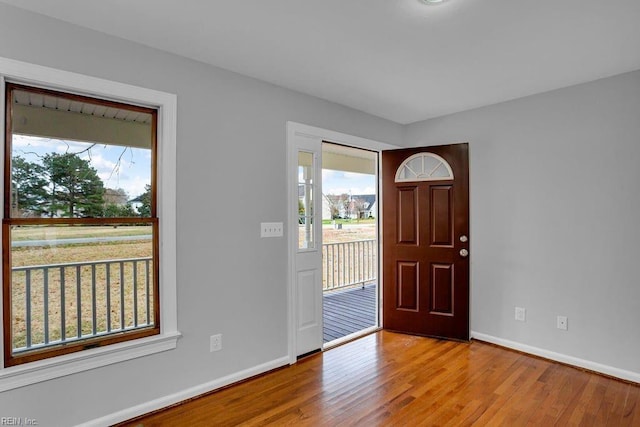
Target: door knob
[
  {"x": 464, "y": 253},
  {"x": 463, "y": 238}
]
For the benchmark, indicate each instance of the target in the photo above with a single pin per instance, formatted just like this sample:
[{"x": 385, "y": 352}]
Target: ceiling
[{"x": 397, "y": 59}]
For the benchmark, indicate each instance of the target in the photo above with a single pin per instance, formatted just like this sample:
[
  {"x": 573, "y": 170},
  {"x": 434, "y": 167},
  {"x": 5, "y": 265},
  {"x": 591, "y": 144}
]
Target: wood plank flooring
[
  {"x": 348, "y": 311},
  {"x": 389, "y": 379}
]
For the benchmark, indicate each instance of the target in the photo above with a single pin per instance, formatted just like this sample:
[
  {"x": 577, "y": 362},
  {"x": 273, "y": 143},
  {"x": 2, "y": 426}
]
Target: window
[
  {"x": 306, "y": 182},
  {"x": 90, "y": 357},
  {"x": 424, "y": 167},
  {"x": 80, "y": 228}
]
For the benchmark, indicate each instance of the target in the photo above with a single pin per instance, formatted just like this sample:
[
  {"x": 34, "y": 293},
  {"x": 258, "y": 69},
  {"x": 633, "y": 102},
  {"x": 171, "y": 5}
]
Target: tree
[
  {"x": 116, "y": 204},
  {"x": 145, "y": 208},
  {"x": 116, "y": 196},
  {"x": 338, "y": 204},
  {"x": 75, "y": 187},
  {"x": 28, "y": 192},
  {"x": 345, "y": 200},
  {"x": 112, "y": 210}
]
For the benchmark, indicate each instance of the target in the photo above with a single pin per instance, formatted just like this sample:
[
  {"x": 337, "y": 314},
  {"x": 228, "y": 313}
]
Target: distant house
[
  {"x": 349, "y": 206},
  {"x": 365, "y": 205},
  {"x": 136, "y": 203}
]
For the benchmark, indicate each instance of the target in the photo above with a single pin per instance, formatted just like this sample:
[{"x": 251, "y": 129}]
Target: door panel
[
  {"x": 307, "y": 300},
  {"x": 442, "y": 280},
  {"x": 425, "y": 277},
  {"x": 407, "y": 283},
  {"x": 441, "y": 205},
  {"x": 407, "y": 216}
]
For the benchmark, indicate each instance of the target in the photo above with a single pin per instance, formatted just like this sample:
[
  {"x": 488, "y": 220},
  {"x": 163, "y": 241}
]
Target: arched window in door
[{"x": 424, "y": 167}]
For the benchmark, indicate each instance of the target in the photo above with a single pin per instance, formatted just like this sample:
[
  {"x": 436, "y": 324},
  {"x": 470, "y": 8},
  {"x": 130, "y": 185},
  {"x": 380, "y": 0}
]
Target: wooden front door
[{"x": 426, "y": 241}]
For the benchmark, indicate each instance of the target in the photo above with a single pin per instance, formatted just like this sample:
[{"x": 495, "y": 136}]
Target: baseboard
[
  {"x": 558, "y": 357},
  {"x": 162, "y": 402}
]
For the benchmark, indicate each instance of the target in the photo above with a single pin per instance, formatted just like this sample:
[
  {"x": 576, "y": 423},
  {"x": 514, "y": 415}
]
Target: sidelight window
[{"x": 306, "y": 185}]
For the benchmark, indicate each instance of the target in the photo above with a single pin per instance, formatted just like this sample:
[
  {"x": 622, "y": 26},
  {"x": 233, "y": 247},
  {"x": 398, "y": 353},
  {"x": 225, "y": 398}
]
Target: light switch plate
[{"x": 271, "y": 229}]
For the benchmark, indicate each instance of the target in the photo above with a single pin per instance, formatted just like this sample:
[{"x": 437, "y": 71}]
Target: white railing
[
  {"x": 59, "y": 303},
  {"x": 348, "y": 264}
]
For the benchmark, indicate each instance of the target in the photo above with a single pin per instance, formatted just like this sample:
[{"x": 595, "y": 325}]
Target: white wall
[
  {"x": 231, "y": 176},
  {"x": 555, "y": 211}
]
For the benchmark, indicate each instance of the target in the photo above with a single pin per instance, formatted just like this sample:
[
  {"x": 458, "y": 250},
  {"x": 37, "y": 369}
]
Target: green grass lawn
[{"x": 348, "y": 221}]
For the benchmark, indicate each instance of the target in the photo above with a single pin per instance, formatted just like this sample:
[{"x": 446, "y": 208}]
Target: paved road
[{"x": 79, "y": 240}]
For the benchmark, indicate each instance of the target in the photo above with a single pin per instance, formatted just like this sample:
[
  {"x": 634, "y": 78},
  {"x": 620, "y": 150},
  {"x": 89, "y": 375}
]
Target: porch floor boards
[{"x": 348, "y": 311}]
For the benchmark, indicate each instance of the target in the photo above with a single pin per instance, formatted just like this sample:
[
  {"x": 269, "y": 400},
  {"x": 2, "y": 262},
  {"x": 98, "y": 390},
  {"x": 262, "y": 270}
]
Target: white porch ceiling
[
  {"x": 49, "y": 116},
  {"x": 396, "y": 59},
  {"x": 349, "y": 159},
  {"x": 65, "y": 105}
]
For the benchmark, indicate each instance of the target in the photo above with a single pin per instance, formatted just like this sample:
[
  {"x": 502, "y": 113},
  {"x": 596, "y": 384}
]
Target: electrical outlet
[
  {"x": 563, "y": 323},
  {"x": 215, "y": 343},
  {"x": 521, "y": 314},
  {"x": 271, "y": 229}
]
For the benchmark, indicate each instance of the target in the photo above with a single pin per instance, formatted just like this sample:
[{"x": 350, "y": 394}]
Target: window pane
[
  {"x": 78, "y": 282},
  {"x": 415, "y": 166},
  {"x": 71, "y": 157},
  {"x": 440, "y": 171},
  {"x": 306, "y": 180},
  {"x": 430, "y": 165}
]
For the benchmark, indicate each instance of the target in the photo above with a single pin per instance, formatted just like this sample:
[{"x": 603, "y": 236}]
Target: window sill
[{"x": 43, "y": 370}]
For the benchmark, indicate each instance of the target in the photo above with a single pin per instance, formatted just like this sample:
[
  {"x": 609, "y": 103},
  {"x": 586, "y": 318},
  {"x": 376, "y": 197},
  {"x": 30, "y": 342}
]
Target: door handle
[
  {"x": 464, "y": 253},
  {"x": 463, "y": 238}
]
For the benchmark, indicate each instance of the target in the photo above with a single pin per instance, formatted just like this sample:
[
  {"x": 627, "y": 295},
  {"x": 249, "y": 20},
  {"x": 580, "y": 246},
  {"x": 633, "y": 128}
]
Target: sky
[
  {"x": 131, "y": 172},
  {"x": 134, "y": 170},
  {"x": 339, "y": 182}
]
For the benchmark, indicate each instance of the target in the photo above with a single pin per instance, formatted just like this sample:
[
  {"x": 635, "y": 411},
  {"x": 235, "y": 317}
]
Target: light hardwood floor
[{"x": 401, "y": 380}]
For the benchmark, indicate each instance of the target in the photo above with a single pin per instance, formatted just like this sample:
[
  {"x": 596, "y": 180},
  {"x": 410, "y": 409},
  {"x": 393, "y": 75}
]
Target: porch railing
[
  {"x": 58, "y": 303},
  {"x": 349, "y": 264}
]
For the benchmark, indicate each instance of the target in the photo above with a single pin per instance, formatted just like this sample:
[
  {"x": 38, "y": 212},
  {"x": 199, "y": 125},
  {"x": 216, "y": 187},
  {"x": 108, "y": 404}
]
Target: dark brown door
[{"x": 426, "y": 241}]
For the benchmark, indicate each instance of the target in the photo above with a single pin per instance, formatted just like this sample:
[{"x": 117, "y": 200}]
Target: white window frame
[{"x": 166, "y": 104}]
